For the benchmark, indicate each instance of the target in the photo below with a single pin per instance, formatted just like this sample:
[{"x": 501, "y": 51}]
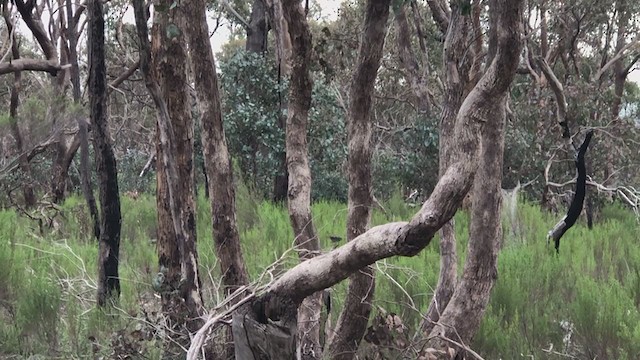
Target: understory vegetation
[{"x": 584, "y": 302}]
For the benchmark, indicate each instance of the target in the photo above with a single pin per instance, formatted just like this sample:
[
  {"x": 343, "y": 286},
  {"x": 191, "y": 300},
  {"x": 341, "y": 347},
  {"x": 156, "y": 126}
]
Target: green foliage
[
  {"x": 408, "y": 160},
  {"x": 254, "y": 102},
  {"x": 585, "y": 301}
]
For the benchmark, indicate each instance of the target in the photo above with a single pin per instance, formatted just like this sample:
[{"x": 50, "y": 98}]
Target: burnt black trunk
[{"x": 108, "y": 280}]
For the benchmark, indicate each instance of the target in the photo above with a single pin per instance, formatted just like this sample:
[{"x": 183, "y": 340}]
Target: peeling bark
[
  {"x": 181, "y": 294},
  {"x": 353, "y": 320}
]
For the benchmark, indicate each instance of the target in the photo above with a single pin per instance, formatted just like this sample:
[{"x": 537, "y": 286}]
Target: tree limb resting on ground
[{"x": 578, "y": 198}]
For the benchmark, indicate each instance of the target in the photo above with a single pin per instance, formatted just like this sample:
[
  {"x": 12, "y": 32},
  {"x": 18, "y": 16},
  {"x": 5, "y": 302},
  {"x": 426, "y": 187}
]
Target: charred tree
[
  {"x": 109, "y": 244},
  {"x": 575, "y": 209}
]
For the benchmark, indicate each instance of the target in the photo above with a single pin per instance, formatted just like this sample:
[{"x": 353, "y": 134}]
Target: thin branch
[
  {"x": 233, "y": 12},
  {"x": 632, "y": 45}
]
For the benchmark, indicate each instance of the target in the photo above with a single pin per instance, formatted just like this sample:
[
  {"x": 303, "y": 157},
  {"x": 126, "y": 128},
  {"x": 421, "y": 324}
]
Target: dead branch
[{"x": 578, "y": 198}]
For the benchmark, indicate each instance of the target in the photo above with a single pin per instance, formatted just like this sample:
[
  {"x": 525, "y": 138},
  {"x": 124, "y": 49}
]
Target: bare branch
[
  {"x": 233, "y": 12},
  {"x": 124, "y": 76},
  {"x": 561, "y": 102},
  {"x": 630, "y": 46},
  {"x": 50, "y": 66}
]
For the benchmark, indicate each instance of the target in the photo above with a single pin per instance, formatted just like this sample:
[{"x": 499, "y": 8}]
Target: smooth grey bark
[
  {"x": 353, "y": 320},
  {"x": 487, "y": 101}
]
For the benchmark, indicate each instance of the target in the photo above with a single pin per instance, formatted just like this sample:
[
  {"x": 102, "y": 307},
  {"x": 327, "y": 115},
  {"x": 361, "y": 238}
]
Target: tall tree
[
  {"x": 216, "y": 155},
  {"x": 299, "y": 190},
  {"x": 354, "y": 318},
  {"x": 25, "y": 167},
  {"x": 457, "y": 59},
  {"x": 486, "y": 103},
  {"x": 109, "y": 251},
  {"x": 72, "y": 36},
  {"x": 178, "y": 281},
  {"x": 477, "y": 134}
]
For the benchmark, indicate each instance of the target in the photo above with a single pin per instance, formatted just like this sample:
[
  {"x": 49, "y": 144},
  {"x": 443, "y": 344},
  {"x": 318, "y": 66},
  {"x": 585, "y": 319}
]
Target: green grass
[{"x": 47, "y": 282}]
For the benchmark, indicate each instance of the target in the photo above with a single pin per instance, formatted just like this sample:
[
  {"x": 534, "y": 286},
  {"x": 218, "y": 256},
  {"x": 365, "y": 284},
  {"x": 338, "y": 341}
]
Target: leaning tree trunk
[
  {"x": 354, "y": 318},
  {"x": 271, "y": 310},
  {"x": 109, "y": 244},
  {"x": 457, "y": 59},
  {"x": 178, "y": 280},
  {"x": 461, "y": 318},
  {"x": 216, "y": 155}
]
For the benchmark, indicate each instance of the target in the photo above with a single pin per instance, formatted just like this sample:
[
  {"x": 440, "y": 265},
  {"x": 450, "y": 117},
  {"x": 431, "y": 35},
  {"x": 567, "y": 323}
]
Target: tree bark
[
  {"x": 258, "y": 28},
  {"x": 461, "y": 318},
  {"x": 179, "y": 287},
  {"x": 27, "y": 188},
  {"x": 299, "y": 192},
  {"x": 458, "y": 59},
  {"x": 353, "y": 320},
  {"x": 109, "y": 244},
  {"x": 416, "y": 76},
  {"x": 83, "y": 126},
  {"x": 283, "y": 48},
  {"x": 216, "y": 155},
  {"x": 619, "y": 79}
]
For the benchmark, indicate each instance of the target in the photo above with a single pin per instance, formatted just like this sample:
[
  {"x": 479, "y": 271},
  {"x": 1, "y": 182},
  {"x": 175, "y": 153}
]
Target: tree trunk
[
  {"x": 109, "y": 244},
  {"x": 458, "y": 60},
  {"x": 619, "y": 79},
  {"x": 354, "y": 318},
  {"x": 216, "y": 155},
  {"x": 27, "y": 187},
  {"x": 83, "y": 126},
  {"x": 182, "y": 301},
  {"x": 258, "y": 28},
  {"x": 461, "y": 318},
  {"x": 299, "y": 192},
  {"x": 415, "y": 75}
]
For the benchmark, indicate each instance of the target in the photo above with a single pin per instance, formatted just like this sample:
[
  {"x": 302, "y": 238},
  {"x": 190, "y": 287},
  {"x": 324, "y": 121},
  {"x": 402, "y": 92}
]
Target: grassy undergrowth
[{"x": 584, "y": 302}]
